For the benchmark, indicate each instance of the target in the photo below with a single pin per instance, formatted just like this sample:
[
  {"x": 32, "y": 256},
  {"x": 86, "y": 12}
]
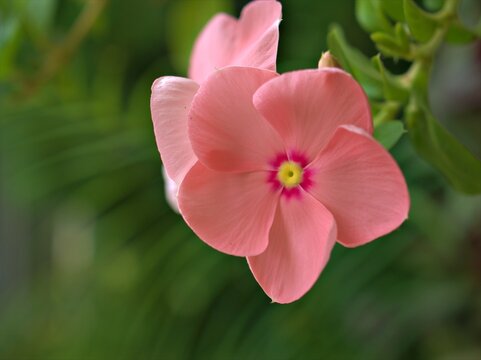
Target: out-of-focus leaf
[
  {"x": 402, "y": 36},
  {"x": 389, "y": 133},
  {"x": 394, "y": 9},
  {"x": 36, "y": 17},
  {"x": 371, "y": 17},
  {"x": 353, "y": 61},
  {"x": 388, "y": 45},
  {"x": 393, "y": 90},
  {"x": 443, "y": 151},
  {"x": 186, "y": 20},
  {"x": 384, "y": 111},
  {"x": 458, "y": 34},
  {"x": 40, "y": 13},
  {"x": 421, "y": 23},
  {"x": 9, "y": 41},
  {"x": 397, "y": 45},
  {"x": 433, "y": 5}
]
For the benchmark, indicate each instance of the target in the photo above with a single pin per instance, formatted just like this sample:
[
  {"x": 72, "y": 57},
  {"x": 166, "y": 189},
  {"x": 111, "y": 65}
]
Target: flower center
[{"x": 290, "y": 174}]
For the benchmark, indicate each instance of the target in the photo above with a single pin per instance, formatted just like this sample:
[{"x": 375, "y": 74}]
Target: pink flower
[
  {"x": 286, "y": 167},
  {"x": 250, "y": 41}
]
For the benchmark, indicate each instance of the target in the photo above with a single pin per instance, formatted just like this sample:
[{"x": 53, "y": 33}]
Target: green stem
[
  {"x": 61, "y": 54},
  {"x": 423, "y": 55},
  {"x": 426, "y": 51},
  {"x": 448, "y": 12}
]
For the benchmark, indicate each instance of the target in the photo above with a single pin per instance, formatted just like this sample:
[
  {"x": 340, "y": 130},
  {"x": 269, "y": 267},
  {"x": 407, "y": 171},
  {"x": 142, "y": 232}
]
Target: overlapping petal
[
  {"x": 306, "y": 107},
  {"x": 170, "y": 104},
  {"x": 361, "y": 185},
  {"x": 300, "y": 242},
  {"x": 226, "y": 131},
  {"x": 250, "y": 41},
  {"x": 229, "y": 211}
]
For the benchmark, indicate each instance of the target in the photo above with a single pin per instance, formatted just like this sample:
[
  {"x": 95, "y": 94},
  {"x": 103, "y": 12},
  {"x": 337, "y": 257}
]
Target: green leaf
[
  {"x": 421, "y": 23},
  {"x": 371, "y": 17},
  {"x": 443, "y": 151},
  {"x": 389, "y": 45},
  {"x": 394, "y": 9},
  {"x": 40, "y": 13},
  {"x": 36, "y": 17},
  {"x": 458, "y": 34},
  {"x": 402, "y": 36},
  {"x": 355, "y": 62},
  {"x": 9, "y": 43},
  {"x": 433, "y": 5},
  {"x": 384, "y": 112},
  {"x": 389, "y": 133},
  {"x": 393, "y": 89}
]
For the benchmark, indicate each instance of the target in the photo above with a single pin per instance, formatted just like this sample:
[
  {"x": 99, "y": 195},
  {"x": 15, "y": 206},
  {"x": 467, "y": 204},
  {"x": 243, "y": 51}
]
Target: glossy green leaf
[
  {"x": 389, "y": 133},
  {"x": 458, "y": 34},
  {"x": 371, "y": 17},
  {"x": 421, "y": 23},
  {"x": 355, "y": 62},
  {"x": 443, "y": 151}
]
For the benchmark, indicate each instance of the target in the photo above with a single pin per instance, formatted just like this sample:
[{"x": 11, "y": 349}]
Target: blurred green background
[{"x": 93, "y": 263}]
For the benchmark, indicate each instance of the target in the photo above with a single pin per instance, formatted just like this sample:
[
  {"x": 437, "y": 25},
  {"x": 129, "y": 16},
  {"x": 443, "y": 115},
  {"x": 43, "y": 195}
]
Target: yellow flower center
[{"x": 290, "y": 174}]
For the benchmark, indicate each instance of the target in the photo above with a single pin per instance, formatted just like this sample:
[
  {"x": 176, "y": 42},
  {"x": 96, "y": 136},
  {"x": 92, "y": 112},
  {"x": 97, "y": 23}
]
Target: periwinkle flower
[
  {"x": 286, "y": 167},
  {"x": 250, "y": 41}
]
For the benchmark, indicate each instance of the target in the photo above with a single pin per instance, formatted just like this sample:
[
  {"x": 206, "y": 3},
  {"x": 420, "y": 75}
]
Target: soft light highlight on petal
[
  {"x": 230, "y": 212},
  {"x": 361, "y": 185},
  {"x": 300, "y": 242},
  {"x": 250, "y": 41},
  {"x": 171, "y": 189},
  {"x": 170, "y": 104},
  {"x": 306, "y": 107},
  {"x": 226, "y": 131}
]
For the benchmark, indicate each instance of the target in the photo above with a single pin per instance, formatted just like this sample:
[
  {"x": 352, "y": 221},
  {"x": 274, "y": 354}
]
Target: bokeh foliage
[
  {"x": 403, "y": 30},
  {"x": 95, "y": 265}
]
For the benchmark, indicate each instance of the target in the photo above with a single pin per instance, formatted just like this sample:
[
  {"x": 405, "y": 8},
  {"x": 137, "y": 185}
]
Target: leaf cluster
[{"x": 402, "y": 30}]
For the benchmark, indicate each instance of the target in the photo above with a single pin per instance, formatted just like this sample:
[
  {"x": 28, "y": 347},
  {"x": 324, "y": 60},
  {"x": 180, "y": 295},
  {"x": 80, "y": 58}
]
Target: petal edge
[
  {"x": 300, "y": 242},
  {"x": 170, "y": 103},
  {"x": 361, "y": 185},
  {"x": 230, "y": 212}
]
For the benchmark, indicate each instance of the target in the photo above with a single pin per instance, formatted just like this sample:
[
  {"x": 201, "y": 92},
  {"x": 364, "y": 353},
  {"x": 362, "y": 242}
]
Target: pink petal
[
  {"x": 226, "y": 131},
  {"x": 169, "y": 104},
  {"x": 213, "y": 48},
  {"x": 251, "y": 41},
  {"x": 307, "y": 106},
  {"x": 171, "y": 189},
  {"x": 361, "y": 185},
  {"x": 230, "y": 212},
  {"x": 300, "y": 242},
  {"x": 258, "y": 35}
]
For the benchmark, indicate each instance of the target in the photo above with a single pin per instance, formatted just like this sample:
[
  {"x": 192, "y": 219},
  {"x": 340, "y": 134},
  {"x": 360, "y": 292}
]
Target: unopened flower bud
[{"x": 327, "y": 60}]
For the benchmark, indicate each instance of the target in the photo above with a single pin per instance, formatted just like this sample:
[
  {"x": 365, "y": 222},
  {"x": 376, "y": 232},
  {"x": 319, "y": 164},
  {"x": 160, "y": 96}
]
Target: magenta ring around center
[{"x": 276, "y": 163}]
